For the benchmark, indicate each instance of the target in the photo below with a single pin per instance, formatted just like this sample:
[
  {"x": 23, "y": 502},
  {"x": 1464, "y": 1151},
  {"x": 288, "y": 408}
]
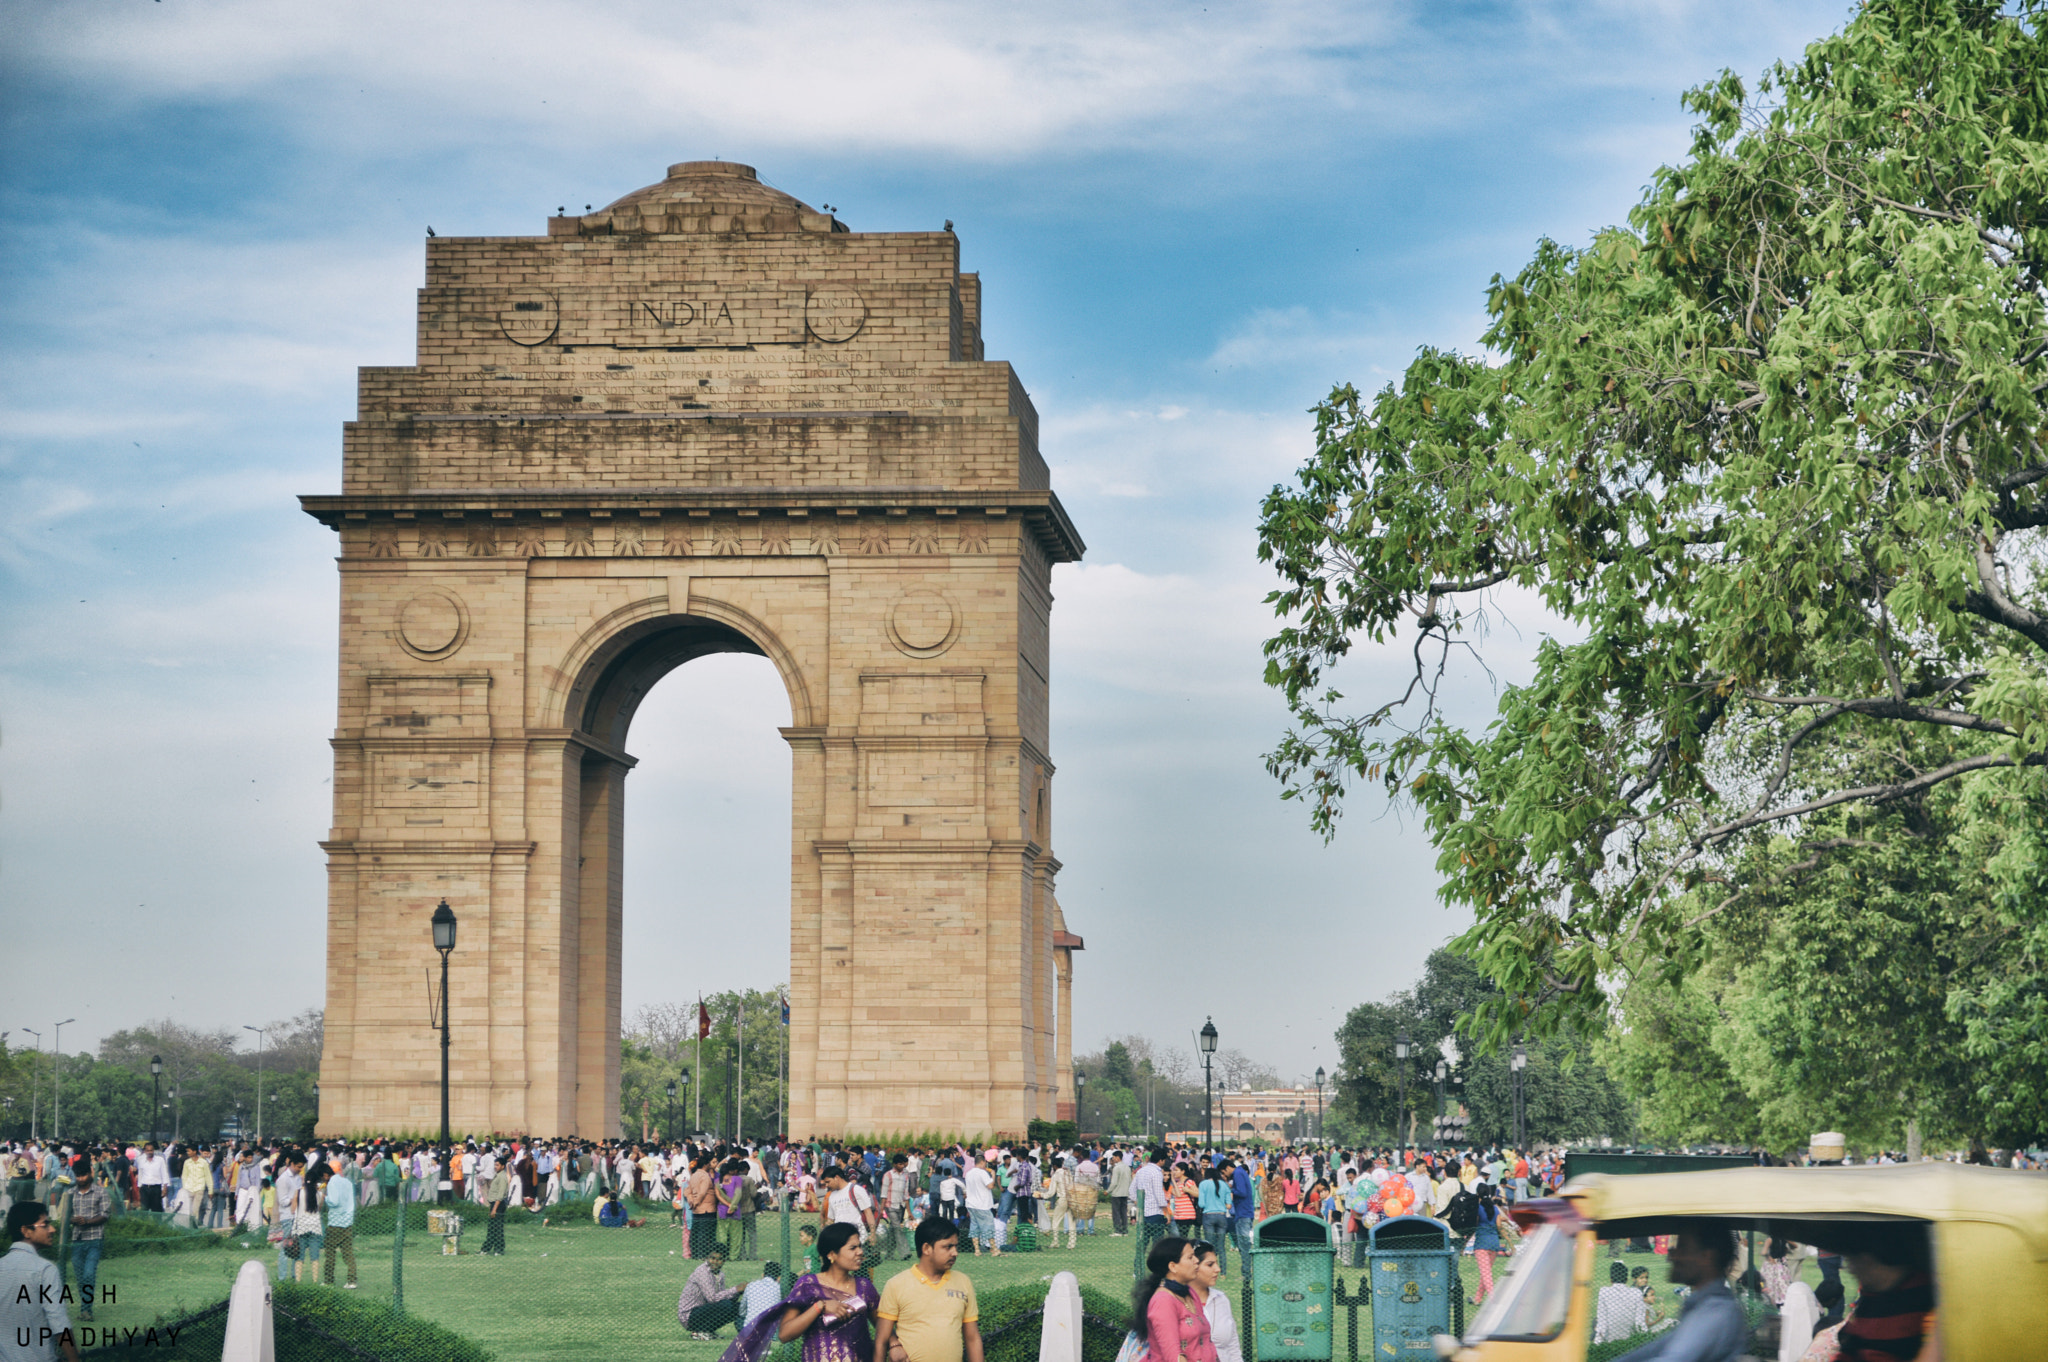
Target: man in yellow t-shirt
[{"x": 928, "y": 1312}]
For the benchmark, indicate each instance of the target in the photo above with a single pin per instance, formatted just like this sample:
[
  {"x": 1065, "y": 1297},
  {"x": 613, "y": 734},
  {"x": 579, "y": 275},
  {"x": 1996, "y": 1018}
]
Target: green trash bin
[
  {"x": 1413, "y": 1273},
  {"x": 1294, "y": 1267}
]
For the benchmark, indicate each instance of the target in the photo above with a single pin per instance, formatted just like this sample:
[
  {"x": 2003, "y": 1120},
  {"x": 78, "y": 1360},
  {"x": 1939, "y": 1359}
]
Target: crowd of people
[{"x": 927, "y": 1205}]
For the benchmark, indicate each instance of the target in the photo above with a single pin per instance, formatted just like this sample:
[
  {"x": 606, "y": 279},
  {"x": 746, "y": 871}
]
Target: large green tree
[{"x": 1772, "y": 455}]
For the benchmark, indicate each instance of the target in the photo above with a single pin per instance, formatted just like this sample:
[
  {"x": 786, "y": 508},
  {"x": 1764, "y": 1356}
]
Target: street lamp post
[
  {"x": 1516, "y": 1064},
  {"x": 262, "y": 1033},
  {"x": 156, "y": 1095},
  {"x": 1442, "y": 1072},
  {"x": 35, "y": 1089},
  {"x": 669, "y": 1135},
  {"x": 1401, "y": 1079},
  {"x": 1080, "y": 1092},
  {"x": 686, "y": 1088},
  {"x": 1208, "y": 1086},
  {"x": 1321, "y": 1077},
  {"x": 57, "y": 1079},
  {"x": 443, "y": 923},
  {"x": 316, "y": 1104}
]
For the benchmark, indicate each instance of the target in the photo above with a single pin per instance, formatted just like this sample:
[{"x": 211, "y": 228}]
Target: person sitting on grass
[
  {"x": 611, "y": 1214},
  {"x": 707, "y": 1302},
  {"x": 763, "y": 1294}
]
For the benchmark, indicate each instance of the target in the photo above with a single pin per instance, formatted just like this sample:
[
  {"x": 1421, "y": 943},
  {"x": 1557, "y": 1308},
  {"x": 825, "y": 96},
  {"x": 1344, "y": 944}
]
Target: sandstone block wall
[{"x": 707, "y": 419}]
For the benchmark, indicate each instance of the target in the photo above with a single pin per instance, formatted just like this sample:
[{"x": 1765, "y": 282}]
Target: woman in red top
[{"x": 1290, "y": 1191}]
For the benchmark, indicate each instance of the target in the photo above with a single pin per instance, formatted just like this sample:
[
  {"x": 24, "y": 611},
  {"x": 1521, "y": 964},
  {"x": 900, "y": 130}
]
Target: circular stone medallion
[
  {"x": 923, "y": 624},
  {"x": 529, "y": 317},
  {"x": 835, "y": 315},
  {"x": 432, "y": 624}
]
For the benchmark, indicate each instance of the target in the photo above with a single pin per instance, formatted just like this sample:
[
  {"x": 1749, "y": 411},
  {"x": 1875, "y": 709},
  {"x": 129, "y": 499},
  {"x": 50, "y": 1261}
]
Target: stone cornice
[{"x": 1039, "y": 509}]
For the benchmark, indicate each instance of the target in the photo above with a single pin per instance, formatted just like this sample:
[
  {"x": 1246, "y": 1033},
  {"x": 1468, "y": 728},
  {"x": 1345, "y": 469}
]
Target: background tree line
[
  {"x": 1568, "y": 1094},
  {"x": 1136, "y": 1087},
  {"x": 209, "y": 1081},
  {"x": 744, "y": 1054}
]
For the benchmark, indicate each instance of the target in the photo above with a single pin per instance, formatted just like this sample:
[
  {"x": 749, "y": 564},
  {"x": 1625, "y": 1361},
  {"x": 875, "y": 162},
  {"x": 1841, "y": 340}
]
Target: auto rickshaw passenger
[{"x": 1895, "y": 1304}]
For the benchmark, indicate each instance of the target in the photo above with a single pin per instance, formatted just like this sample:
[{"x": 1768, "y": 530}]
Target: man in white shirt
[
  {"x": 847, "y": 1203},
  {"x": 1619, "y": 1311},
  {"x": 981, "y": 1207},
  {"x": 762, "y": 1294},
  {"x": 286, "y": 1184},
  {"x": 152, "y": 1177},
  {"x": 1148, "y": 1193}
]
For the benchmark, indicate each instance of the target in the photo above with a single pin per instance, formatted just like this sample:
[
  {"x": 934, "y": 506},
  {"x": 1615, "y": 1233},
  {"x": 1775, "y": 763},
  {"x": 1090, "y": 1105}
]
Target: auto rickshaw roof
[{"x": 1931, "y": 1192}]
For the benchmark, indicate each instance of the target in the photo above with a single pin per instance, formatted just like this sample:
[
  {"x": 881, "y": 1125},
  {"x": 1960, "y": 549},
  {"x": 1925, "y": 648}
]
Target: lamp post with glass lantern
[
  {"x": 1443, "y": 1071},
  {"x": 156, "y": 1096},
  {"x": 1321, "y": 1078},
  {"x": 316, "y": 1104},
  {"x": 686, "y": 1088},
  {"x": 670, "y": 1133},
  {"x": 1518, "y": 1062},
  {"x": 443, "y": 923},
  {"x": 1401, "y": 1079},
  {"x": 1080, "y": 1093},
  {"x": 1208, "y": 1086}
]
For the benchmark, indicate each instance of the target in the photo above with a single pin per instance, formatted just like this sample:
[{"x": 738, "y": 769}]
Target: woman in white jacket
[{"x": 1215, "y": 1303}]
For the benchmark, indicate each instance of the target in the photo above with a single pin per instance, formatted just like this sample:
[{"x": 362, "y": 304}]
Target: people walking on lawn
[
  {"x": 91, "y": 1207},
  {"x": 340, "y": 1243},
  {"x": 928, "y": 1311}
]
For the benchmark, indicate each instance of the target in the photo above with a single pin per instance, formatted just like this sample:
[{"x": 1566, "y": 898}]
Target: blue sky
[{"x": 1190, "y": 222}]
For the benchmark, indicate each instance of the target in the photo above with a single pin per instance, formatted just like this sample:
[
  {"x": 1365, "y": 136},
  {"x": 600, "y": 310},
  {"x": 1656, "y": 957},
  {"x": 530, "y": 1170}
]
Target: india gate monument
[{"x": 706, "y": 419}]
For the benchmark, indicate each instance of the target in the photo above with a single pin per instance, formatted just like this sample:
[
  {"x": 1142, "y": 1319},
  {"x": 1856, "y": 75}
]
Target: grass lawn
[{"x": 583, "y": 1292}]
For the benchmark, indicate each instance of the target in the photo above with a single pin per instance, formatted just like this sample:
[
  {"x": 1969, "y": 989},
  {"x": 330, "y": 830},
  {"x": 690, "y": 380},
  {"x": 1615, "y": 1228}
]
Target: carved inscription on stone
[
  {"x": 835, "y": 315},
  {"x": 436, "y": 780},
  {"x": 530, "y": 317}
]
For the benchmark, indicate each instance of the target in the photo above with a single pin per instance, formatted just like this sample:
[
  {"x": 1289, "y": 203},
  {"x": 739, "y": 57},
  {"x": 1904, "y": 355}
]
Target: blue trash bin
[{"x": 1413, "y": 1270}]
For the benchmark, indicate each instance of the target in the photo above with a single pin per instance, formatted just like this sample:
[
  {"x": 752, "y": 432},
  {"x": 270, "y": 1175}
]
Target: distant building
[{"x": 1264, "y": 1115}]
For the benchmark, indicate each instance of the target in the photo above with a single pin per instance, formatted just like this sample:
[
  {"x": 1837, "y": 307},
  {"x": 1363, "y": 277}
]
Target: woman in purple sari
[{"x": 829, "y": 1310}]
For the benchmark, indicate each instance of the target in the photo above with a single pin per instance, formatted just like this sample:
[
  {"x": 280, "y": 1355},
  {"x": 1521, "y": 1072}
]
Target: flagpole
[
  {"x": 739, "y": 1081},
  {"x": 697, "y": 1118},
  {"x": 781, "y": 1040}
]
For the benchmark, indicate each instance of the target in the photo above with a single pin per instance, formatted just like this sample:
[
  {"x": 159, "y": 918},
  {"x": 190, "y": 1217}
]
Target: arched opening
[
  {"x": 706, "y": 891},
  {"x": 701, "y": 906}
]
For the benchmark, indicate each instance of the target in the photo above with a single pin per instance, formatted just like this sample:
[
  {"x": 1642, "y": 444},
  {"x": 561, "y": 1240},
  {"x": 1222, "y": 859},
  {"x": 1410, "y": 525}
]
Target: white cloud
[{"x": 947, "y": 76}]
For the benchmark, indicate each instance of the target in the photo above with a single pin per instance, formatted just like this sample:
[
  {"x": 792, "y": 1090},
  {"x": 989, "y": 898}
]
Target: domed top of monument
[{"x": 706, "y": 196}]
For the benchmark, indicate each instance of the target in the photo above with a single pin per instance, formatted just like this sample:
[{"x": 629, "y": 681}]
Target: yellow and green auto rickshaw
[{"x": 1986, "y": 1233}]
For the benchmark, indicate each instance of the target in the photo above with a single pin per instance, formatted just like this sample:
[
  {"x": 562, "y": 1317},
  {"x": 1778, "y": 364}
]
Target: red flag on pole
[{"x": 703, "y": 1021}]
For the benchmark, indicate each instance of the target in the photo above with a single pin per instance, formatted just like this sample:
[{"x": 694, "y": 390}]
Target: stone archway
[{"x": 707, "y": 419}]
